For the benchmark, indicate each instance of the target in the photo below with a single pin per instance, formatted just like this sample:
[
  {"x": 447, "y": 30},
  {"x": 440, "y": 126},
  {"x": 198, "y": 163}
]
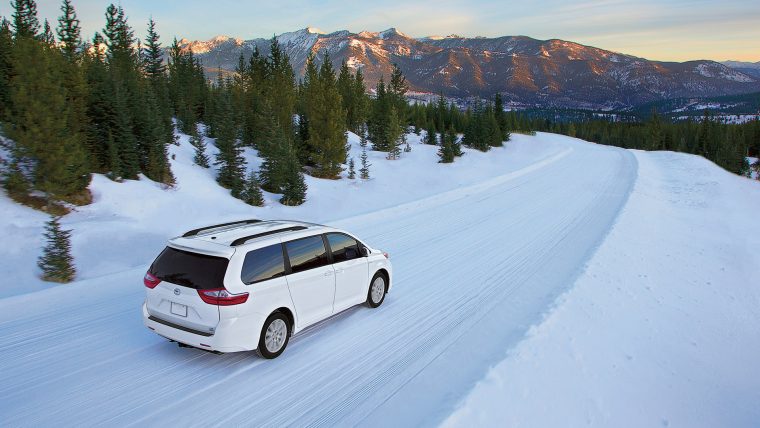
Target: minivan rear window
[{"x": 188, "y": 269}]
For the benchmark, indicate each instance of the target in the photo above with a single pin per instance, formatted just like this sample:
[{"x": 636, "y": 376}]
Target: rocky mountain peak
[{"x": 524, "y": 70}]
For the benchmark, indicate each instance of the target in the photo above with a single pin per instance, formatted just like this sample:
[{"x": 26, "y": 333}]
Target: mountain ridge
[{"x": 528, "y": 71}]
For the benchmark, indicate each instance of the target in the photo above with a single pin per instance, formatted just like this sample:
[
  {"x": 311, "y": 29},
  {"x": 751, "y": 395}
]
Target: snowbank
[{"x": 663, "y": 326}]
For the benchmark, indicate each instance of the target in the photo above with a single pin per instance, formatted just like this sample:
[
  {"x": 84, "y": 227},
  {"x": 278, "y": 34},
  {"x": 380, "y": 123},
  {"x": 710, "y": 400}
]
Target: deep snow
[
  {"x": 663, "y": 327},
  {"x": 486, "y": 318}
]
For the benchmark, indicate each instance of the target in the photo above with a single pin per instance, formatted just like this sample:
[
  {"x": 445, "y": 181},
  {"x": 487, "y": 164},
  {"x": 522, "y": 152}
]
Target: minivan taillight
[
  {"x": 222, "y": 297},
  {"x": 150, "y": 281}
]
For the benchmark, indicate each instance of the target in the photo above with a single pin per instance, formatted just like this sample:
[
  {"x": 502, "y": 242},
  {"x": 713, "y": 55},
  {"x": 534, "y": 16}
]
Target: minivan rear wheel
[
  {"x": 377, "y": 290},
  {"x": 274, "y": 336}
]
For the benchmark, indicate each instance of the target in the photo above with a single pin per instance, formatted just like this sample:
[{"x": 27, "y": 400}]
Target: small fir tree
[
  {"x": 294, "y": 190},
  {"x": 364, "y": 170},
  {"x": 252, "y": 194},
  {"x": 196, "y": 140},
  {"x": 430, "y": 136},
  {"x": 450, "y": 147},
  {"x": 455, "y": 143},
  {"x": 446, "y": 151},
  {"x": 56, "y": 261},
  {"x": 351, "y": 169},
  {"x": 394, "y": 135}
]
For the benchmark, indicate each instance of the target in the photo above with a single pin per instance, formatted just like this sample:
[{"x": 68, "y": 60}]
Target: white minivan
[{"x": 252, "y": 284}]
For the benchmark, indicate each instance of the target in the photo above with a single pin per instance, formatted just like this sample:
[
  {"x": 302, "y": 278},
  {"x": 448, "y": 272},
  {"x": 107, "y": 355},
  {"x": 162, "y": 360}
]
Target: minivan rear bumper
[{"x": 231, "y": 335}]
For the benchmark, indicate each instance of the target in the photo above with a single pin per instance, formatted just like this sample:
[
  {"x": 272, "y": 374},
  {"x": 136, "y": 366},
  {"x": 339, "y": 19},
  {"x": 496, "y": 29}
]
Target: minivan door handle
[{"x": 328, "y": 273}]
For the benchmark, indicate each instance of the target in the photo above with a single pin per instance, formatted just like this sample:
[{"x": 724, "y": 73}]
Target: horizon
[{"x": 676, "y": 30}]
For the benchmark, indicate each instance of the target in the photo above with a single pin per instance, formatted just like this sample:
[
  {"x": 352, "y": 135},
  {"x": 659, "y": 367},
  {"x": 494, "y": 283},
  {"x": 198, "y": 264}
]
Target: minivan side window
[
  {"x": 262, "y": 264},
  {"x": 307, "y": 253},
  {"x": 343, "y": 247}
]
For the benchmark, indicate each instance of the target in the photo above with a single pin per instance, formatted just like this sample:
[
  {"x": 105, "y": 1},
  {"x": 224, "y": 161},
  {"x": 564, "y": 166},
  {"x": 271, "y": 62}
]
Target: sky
[{"x": 666, "y": 30}]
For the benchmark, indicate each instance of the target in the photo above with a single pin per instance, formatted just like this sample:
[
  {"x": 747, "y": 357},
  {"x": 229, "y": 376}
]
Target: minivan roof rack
[
  {"x": 244, "y": 239},
  {"x": 195, "y": 232}
]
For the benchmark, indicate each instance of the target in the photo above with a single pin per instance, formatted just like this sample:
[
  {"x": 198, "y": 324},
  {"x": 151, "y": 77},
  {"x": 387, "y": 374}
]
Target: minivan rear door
[{"x": 175, "y": 299}]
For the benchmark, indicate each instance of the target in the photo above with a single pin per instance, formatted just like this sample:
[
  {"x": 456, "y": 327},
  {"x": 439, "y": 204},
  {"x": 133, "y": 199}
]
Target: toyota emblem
[{"x": 176, "y": 291}]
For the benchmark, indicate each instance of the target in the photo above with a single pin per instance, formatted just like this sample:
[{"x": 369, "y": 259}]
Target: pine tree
[
  {"x": 492, "y": 131},
  {"x": 430, "y": 136},
  {"x": 154, "y": 127},
  {"x": 361, "y": 102},
  {"x": 397, "y": 88},
  {"x": 153, "y": 54},
  {"x": 252, "y": 194},
  {"x": 501, "y": 117},
  {"x": 274, "y": 148},
  {"x": 41, "y": 123},
  {"x": 326, "y": 140},
  {"x": 196, "y": 140},
  {"x": 445, "y": 151},
  {"x": 451, "y": 134},
  {"x": 294, "y": 190},
  {"x": 99, "y": 106},
  {"x": 229, "y": 159},
  {"x": 394, "y": 135},
  {"x": 479, "y": 130},
  {"x": 450, "y": 147},
  {"x": 364, "y": 170},
  {"x": 6, "y": 67},
  {"x": 56, "y": 261},
  {"x": 124, "y": 156},
  {"x": 281, "y": 88},
  {"x": 363, "y": 136},
  {"x": 351, "y": 169},
  {"x": 69, "y": 32},
  {"x": 379, "y": 130},
  {"x": 345, "y": 88},
  {"x": 25, "y": 22},
  {"x": 47, "y": 35}
]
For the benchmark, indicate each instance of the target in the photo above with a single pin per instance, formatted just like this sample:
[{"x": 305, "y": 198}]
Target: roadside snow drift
[{"x": 663, "y": 327}]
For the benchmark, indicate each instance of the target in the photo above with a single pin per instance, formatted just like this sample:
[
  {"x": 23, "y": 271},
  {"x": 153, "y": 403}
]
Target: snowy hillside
[
  {"x": 129, "y": 222},
  {"x": 552, "y": 282}
]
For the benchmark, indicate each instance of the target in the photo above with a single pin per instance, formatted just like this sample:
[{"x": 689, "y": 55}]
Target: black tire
[
  {"x": 373, "y": 303},
  {"x": 274, "y": 319}
]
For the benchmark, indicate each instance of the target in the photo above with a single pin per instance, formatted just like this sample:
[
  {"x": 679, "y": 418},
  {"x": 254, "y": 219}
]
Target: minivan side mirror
[{"x": 364, "y": 251}]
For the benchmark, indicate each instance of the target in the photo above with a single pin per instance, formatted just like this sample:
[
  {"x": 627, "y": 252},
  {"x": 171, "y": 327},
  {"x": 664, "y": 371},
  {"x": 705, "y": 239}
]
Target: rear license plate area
[{"x": 179, "y": 310}]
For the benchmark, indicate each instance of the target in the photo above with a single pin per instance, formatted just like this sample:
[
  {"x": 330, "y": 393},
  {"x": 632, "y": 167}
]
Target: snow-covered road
[{"x": 475, "y": 268}]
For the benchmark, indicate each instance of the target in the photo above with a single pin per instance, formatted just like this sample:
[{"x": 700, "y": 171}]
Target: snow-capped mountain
[
  {"x": 525, "y": 70},
  {"x": 750, "y": 68}
]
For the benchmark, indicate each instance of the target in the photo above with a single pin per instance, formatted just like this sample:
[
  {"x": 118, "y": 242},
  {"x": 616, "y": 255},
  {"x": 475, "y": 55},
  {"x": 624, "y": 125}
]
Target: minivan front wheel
[
  {"x": 377, "y": 289},
  {"x": 274, "y": 336}
]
